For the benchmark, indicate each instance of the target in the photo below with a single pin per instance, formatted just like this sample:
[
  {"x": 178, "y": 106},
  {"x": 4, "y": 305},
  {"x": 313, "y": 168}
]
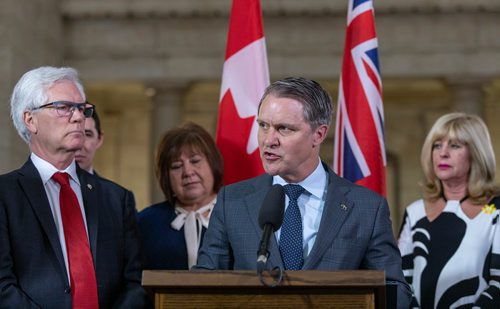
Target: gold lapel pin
[
  {"x": 89, "y": 186},
  {"x": 343, "y": 206}
]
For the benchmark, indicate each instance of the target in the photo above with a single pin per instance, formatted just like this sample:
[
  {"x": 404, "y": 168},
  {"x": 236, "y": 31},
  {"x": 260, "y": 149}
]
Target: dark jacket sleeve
[
  {"x": 215, "y": 252},
  {"x": 383, "y": 253},
  {"x": 11, "y": 296},
  {"x": 132, "y": 295}
]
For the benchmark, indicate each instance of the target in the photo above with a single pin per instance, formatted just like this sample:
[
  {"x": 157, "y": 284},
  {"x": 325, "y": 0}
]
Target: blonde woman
[{"x": 450, "y": 239}]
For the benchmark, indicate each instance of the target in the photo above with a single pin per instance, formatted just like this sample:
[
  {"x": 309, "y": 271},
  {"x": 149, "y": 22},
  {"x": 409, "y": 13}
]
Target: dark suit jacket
[
  {"x": 357, "y": 236},
  {"x": 32, "y": 269},
  {"x": 130, "y": 194},
  {"x": 164, "y": 247}
]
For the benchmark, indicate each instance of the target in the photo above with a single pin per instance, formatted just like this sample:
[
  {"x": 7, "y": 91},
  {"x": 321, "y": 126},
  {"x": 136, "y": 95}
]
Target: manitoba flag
[
  {"x": 244, "y": 79},
  {"x": 359, "y": 153}
]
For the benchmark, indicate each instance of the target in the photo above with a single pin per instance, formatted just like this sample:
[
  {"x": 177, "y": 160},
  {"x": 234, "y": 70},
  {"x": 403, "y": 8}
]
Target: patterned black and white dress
[{"x": 453, "y": 261}]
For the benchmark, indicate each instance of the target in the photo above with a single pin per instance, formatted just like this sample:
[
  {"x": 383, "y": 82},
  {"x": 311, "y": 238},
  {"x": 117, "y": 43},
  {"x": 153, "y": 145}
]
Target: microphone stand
[
  {"x": 276, "y": 274},
  {"x": 270, "y": 219}
]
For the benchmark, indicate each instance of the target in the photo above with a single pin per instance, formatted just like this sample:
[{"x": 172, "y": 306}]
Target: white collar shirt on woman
[{"x": 193, "y": 222}]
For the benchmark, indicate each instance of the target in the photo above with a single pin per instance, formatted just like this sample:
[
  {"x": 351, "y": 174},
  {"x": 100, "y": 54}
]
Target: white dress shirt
[
  {"x": 52, "y": 188},
  {"x": 311, "y": 204}
]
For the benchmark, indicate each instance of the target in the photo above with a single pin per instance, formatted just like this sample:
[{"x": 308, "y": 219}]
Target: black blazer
[{"x": 32, "y": 269}]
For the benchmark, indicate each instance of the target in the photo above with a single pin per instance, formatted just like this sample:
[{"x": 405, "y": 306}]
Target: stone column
[
  {"x": 167, "y": 113},
  {"x": 467, "y": 95},
  {"x": 31, "y": 36}
]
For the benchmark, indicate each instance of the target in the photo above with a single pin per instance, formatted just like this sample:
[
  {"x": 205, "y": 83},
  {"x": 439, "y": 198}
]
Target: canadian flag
[{"x": 244, "y": 79}]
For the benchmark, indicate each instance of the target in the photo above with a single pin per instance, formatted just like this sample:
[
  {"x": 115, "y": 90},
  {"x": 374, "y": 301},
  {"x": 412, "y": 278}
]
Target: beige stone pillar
[
  {"x": 31, "y": 36},
  {"x": 167, "y": 99},
  {"x": 467, "y": 95}
]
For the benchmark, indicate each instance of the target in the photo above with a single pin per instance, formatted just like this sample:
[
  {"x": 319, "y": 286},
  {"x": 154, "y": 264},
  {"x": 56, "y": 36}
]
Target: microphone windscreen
[{"x": 273, "y": 207}]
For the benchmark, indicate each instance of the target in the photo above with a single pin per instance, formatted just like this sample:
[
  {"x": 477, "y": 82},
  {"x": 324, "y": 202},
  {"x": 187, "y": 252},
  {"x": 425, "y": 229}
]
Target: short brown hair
[{"x": 174, "y": 141}]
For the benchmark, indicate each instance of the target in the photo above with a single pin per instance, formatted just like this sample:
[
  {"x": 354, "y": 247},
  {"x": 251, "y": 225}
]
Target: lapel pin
[
  {"x": 89, "y": 186},
  {"x": 343, "y": 206}
]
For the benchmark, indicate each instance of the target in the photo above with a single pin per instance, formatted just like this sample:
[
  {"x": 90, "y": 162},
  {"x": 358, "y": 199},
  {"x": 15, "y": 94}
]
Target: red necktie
[{"x": 81, "y": 267}]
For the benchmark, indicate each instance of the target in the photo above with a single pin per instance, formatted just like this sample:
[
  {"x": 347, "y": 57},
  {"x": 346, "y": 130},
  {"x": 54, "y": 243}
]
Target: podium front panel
[{"x": 242, "y": 289}]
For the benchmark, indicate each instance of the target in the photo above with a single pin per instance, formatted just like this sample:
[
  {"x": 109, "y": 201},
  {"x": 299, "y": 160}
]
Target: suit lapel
[
  {"x": 274, "y": 253},
  {"x": 90, "y": 194},
  {"x": 31, "y": 183},
  {"x": 336, "y": 210},
  {"x": 253, "y": 203}
]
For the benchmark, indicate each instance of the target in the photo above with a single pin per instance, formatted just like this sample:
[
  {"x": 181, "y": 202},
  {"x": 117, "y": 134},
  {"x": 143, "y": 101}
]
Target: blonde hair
[{"x": 471, "y": 131}]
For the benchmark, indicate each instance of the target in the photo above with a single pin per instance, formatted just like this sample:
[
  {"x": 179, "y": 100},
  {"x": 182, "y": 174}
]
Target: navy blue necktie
[{"x": 291, "y": 247}]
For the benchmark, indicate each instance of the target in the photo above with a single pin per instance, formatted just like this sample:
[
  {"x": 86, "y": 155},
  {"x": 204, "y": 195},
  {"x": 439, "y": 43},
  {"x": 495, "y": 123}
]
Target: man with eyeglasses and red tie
[{"x": 68, "y": 239}]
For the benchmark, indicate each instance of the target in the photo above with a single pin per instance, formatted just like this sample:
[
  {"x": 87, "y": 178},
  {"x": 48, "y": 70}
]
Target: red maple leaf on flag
[
  {"x": 232, "y": 137},
  {"x": 244, "y": 79}
]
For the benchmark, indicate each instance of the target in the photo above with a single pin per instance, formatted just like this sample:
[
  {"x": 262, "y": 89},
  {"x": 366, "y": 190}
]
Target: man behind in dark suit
[
  {"x": 94, "y": 138},
  {"x": 344, "y": 226},
  {"x": 48, "y": 110}
]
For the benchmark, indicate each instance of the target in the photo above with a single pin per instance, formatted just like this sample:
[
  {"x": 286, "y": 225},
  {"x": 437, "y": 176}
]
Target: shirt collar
[
  {"x": 314, "y": 183},
  {"x": 46, "y": 170}
]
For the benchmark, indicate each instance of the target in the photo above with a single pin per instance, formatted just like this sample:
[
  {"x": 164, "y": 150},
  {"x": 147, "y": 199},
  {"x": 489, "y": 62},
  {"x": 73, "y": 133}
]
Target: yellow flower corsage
[{"x": 489, "y": 209}]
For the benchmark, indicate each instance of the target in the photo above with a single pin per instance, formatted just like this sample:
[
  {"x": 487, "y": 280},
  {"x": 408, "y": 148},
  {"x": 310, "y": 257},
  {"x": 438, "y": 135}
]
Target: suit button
[{"x": 67, "y": 290}]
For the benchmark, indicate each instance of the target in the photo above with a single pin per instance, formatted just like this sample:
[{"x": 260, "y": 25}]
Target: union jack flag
[{"x": 359, "y": 151}]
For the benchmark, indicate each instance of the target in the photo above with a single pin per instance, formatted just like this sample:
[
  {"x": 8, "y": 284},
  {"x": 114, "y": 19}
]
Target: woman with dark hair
[
  {"x": 450, "y": 240},
  {"x": 189, "y": 170}
]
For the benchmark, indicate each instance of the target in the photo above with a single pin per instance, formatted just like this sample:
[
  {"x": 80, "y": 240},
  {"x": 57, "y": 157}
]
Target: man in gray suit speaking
[{"x": 329, "y": 223}]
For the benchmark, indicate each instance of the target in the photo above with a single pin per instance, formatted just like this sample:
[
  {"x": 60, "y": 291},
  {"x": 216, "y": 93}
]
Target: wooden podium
[{"x": 242, "y": 289}]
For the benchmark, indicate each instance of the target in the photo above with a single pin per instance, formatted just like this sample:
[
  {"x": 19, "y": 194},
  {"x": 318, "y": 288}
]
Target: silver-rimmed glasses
[{"x": 66, "y": 108}]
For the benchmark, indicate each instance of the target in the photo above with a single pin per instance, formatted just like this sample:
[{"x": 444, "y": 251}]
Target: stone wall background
[{"x": 150, "y": 65}]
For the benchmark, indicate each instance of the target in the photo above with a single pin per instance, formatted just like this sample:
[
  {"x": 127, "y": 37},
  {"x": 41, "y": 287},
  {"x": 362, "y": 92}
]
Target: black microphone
[{"x": 270, "y": 219}]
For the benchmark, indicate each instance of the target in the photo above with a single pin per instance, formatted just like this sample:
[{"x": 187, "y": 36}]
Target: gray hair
[
  {"x": 316, "y": 102},
  {"x": 31, "y": 92}
]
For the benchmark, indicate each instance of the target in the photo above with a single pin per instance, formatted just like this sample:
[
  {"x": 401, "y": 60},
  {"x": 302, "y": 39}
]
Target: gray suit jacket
[
  {"x": 358, "y": 236},
  {"x": 32, "y": 269}
]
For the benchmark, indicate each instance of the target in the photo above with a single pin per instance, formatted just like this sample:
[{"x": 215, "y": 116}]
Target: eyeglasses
[{"x": 66, "y": 109}]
